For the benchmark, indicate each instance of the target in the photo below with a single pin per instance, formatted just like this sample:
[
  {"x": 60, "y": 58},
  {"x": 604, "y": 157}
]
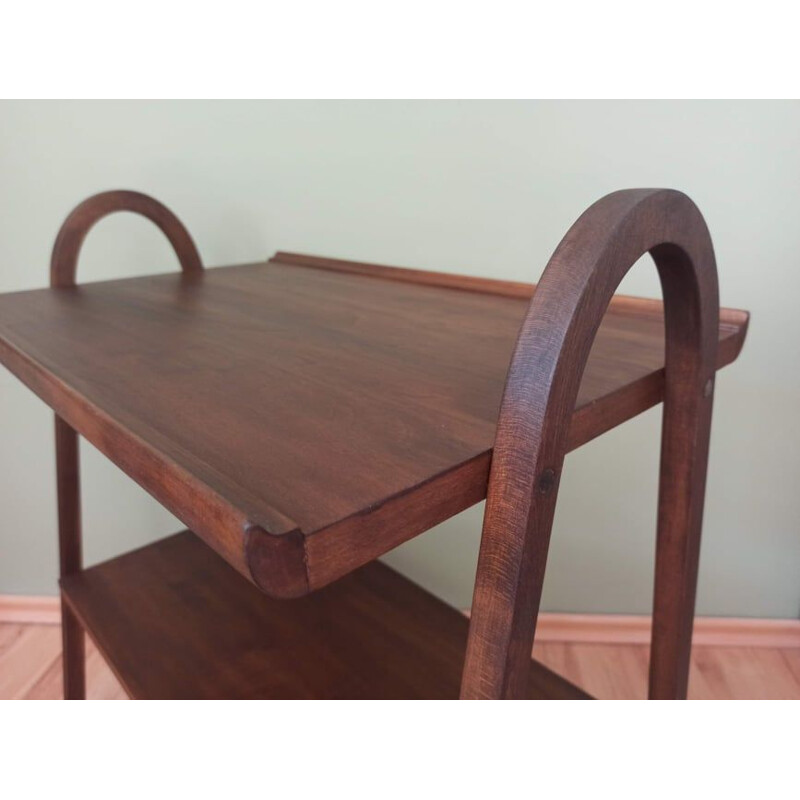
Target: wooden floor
[{"x": 30, "y": 669}]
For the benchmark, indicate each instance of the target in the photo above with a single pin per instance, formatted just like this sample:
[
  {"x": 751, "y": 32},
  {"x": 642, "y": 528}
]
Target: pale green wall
[{"x": 485, "y": 188}]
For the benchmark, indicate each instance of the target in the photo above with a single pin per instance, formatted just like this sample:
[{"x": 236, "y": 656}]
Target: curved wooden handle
[
  {"x": 67, "y": 247},
  {"x": 540, "y": 394}
]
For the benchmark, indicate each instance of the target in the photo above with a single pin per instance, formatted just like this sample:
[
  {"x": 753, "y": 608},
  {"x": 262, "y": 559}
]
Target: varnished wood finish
[
  {"x": 63, "y": 268},
  {"x": 304, "y": 421},
  {"x": 307, "y": 415},
  {"x": 549, "y": 358},
  {"x": 67, "y": 247},
  {"x": 70, "y": 555},
  {"x": 467, "y": 283},
  {"x": 175, "y": 621}
]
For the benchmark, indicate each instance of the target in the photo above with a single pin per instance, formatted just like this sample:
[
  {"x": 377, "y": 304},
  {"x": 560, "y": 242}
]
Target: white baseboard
[{"x": 583, "y": 628}]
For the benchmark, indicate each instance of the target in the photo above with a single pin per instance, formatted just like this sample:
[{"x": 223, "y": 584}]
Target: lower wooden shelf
[{"x": 174, "y": 620}]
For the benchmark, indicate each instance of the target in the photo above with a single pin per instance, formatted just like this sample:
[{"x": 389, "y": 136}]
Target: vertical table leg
[
  {"x": 70, "y": 557},
  {"x": 74, "y": 655},
  {"x": 684, "y": 458}
]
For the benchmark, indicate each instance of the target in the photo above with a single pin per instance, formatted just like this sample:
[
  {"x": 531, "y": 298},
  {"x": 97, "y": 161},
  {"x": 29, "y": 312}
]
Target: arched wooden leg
[
  {"x": 69, "y": 541},
  {"x": 684, "y": 458},
  {"x": 535, "y": 415}
]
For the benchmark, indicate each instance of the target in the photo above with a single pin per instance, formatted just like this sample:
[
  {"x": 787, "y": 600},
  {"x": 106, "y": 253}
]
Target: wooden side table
[{"x": 305, "y": 415}]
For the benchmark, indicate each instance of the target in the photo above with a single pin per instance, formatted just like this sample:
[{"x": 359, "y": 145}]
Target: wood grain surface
[
  {"x": 544, "y": 381},
  {"x": 307, "y": 415},
  {"x": 303, "y": 421},
  {"x": 175, "y": 621}
]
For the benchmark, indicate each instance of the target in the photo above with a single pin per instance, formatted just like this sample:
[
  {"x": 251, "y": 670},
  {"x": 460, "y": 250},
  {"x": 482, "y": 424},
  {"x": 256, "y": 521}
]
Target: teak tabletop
[
  {"x": 304, "y": 416},
  {"x": 332, "y": 410}
]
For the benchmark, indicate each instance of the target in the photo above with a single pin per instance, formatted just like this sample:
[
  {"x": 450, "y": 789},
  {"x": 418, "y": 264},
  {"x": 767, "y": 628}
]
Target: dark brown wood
[
  {"x": 63, "y": 267},
  {"x": 175, "y": 621},
  {"x": 304, "y": 421},
  {"x": 543, "y": 382},
  {"x": 467, "y": 283},
  {"x": 307, "y": 415},
  {"x": 70, "y": 557},
  {"x": 67, "y": 247}
]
